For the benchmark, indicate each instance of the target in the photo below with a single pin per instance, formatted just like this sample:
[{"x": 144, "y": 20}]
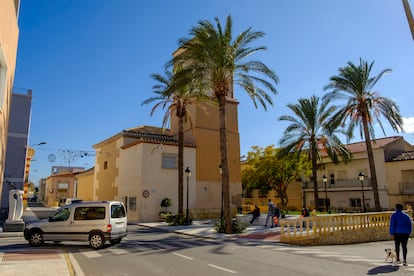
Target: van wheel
[
  {"x": 116, "y": 241},
  {"x": 36, "y": 238},
  {"x": 96, "y": 240}
]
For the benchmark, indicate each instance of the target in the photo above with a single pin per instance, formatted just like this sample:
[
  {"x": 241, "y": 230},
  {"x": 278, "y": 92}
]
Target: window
[
  {"x": 117, "y": 211},
  {"x": 355, "y": 202},
  {"x": 105, "y": 165},
  {"x": 61, "y": 215},
  {"x": 89, "y": 213},
  {"x": 63, "y": 187},
  {"x": 332, "y": 179},
  {"x": 169, "y": 161},
  {"x": 132, "y": 203}
]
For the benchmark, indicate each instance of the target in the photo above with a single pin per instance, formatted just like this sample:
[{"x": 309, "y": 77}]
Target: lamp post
[
  {"x": 361, "y": 177},
  {"x": 325, "y": 180},
  {"x": 187, "y": 175}
]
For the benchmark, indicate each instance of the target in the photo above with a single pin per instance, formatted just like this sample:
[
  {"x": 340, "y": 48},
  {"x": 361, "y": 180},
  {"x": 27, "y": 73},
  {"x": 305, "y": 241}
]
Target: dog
[{"x": 391, "y": 256}]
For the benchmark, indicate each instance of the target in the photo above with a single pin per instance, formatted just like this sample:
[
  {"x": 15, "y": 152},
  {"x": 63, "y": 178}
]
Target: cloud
[{"x": 408, "y": 124}]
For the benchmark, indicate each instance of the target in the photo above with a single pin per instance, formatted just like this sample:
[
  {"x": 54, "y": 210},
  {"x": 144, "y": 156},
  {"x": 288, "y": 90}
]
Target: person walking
[
  {"x": 270, "y": 212},
  {"x": 400, "y": 230},
  {"x": 276, "y": 215},
  {"x": 255, "y": 213}
]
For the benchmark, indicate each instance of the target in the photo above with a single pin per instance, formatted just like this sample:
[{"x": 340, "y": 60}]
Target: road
[{"x": 152, "y": 252}]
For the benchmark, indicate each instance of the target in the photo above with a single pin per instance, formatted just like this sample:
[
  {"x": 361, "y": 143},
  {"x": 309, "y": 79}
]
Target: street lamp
[
  {"x": 361, "y": 178},
  {"x": 325, "y": 180},
  {"x": 187, "y": 175}
]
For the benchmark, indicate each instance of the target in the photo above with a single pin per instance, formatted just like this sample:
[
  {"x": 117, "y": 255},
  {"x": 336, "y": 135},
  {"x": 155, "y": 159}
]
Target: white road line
[
  {"x": 222, "y": 268},
  {"x": 118, "y": 251},
  {"x": 183, "y": 256},
  {"x": 91, "y": 254}
]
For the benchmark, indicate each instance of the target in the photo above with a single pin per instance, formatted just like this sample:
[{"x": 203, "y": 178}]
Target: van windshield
[{"x": 117, "y": 211}]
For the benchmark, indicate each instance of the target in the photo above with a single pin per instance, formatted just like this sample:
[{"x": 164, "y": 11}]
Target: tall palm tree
[
  {"x": 362, "y": 107},
  {"x": 212, "y": 56},
  {"x": 310, "y": 132},
  {"x": 176, "y": 99}
]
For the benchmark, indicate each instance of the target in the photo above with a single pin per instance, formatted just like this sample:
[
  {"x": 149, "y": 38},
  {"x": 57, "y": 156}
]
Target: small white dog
[{"x": 391, "y": 256}]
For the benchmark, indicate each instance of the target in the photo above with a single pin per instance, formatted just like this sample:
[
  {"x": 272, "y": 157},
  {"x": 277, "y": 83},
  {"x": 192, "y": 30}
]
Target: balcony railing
[{"x": 348, "y": 183}]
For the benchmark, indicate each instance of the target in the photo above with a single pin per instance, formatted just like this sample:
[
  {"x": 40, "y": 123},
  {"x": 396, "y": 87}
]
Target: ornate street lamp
[
  {"x": 361, "y": 178},
  {"x": 187, "y": 175},
  {"x": 325, "y": 180}
]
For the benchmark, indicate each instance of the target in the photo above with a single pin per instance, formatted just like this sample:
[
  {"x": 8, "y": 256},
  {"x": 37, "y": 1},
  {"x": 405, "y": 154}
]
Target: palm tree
[
  {"x": 310, "y": 132},
  {"x": 211, "y": 56},
  {"x": 362, "y": 107},
  {"x": 176, "y": 99}
]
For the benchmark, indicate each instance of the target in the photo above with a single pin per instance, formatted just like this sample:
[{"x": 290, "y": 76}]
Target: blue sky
[{"x": 89, "y": 62}]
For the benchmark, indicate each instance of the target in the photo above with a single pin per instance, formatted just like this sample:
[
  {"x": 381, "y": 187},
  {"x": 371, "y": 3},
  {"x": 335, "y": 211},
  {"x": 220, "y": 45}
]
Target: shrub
[
  {"x": 175, "y": 220},
  {"x": 237, "y": 226}
]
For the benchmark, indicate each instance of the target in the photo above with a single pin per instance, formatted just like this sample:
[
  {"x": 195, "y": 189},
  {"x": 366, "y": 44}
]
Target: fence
[{"x": 336, "y": 229}]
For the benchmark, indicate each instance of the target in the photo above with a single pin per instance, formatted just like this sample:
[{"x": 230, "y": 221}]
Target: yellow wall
[
  {"x": 85, "y": 184},
  {"x": 9, "y": 33}
]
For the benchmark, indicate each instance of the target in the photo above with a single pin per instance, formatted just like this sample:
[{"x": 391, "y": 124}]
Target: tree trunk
[
  {"x": 315, "y": 180},
  {"x": 224, "y": 164},
  {"x": 371, "y": 165},
  {"x": 181, "y": 165}
]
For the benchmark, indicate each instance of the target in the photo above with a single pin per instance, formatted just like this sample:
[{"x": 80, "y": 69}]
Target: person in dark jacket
[
  {"x": 255, "y": 213},
  {"x": 400, "y": 230}
]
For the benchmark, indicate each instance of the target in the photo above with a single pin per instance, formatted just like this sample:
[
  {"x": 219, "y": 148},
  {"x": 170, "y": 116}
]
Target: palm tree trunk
[
  {"x": 225, "y": 183},
  {"x": 181, "y": 165},
  {"x": 315, "y": 180},
  {"x": 371, "y": 165}
]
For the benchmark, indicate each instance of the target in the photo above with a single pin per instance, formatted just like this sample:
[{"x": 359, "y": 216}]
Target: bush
[
  {"x": 237, "y": 226},
  {"x": 166, "y": 202},
  {"x": 175, "y": 220}
]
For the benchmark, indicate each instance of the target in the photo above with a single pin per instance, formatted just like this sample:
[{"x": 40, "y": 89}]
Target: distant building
[
  {"x": 9, "y": 36},
  {"x": 63, "y": 169}
]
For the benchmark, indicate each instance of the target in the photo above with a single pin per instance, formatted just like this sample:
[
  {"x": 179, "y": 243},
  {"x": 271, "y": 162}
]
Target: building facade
[
  {"x": 343, "y": 190},
  {"x": 9, "y": 34}
]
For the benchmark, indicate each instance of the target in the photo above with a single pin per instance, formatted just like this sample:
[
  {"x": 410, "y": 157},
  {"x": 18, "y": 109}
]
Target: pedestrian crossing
[{"x": 134, "y": 246}]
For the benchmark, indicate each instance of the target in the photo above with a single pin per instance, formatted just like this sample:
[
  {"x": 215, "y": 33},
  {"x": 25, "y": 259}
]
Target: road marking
[
  {"x": 91, "y": 254},
  {"x": 118, "y": 251},
  {"x": 222, "y": 268},
  {"x": 183, "y": 256}
]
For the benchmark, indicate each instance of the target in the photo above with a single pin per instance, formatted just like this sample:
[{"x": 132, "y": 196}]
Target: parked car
[{"x": 94, "y": 221}]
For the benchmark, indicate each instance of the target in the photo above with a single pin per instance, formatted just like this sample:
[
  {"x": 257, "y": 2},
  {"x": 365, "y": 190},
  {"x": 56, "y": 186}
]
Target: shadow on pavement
[{"x": 383, "y": 269}]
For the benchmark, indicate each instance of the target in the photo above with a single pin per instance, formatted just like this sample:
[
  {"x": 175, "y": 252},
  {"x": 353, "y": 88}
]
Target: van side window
[
  {"x": 89, "y": 213},
  {"x": 117, "y": 211},
  {"x": 61, "y": 215}
]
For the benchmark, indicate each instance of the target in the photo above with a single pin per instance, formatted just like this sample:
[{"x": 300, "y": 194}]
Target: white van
[{"x": 93, "y": 221}]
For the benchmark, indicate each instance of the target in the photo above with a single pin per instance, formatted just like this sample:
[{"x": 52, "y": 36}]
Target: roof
[
  {"x": 151, "y": 134},
  {"x": 377, "y": 143}
]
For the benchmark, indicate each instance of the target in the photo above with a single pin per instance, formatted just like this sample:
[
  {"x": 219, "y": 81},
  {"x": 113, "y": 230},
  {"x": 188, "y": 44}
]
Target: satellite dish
[{"x": 51, "y": 158}]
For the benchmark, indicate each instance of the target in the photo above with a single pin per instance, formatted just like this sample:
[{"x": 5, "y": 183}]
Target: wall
[
  {"x": 9, "y": 34},
  {"x": 85, "y": 184}
]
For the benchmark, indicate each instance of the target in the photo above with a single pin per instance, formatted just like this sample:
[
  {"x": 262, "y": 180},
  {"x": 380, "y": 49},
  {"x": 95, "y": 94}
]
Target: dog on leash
[{"x": 391, "y": 256}]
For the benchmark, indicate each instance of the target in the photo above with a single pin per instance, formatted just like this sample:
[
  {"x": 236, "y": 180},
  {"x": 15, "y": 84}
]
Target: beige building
[
  {"x": 345, "y": 192},
  {"x": 139, "y": 166},
  {"x": 84, "y": 184},
  {"x": 9, "y": 34},
  {"x": 59, "y": 187}
]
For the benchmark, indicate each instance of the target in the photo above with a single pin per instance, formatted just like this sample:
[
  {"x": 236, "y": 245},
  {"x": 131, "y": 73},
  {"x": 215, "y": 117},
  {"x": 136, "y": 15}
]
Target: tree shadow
[{"x": 383, "y": 269}]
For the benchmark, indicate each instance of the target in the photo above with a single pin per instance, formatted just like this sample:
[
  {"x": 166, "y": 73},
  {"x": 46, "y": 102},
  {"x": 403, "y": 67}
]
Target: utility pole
[{"x": 409, "y": 15}]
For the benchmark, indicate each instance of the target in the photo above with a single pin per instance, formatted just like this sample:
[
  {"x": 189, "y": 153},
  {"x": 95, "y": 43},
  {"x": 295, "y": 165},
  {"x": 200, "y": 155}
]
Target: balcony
[{"x": 348, "y": 183}]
